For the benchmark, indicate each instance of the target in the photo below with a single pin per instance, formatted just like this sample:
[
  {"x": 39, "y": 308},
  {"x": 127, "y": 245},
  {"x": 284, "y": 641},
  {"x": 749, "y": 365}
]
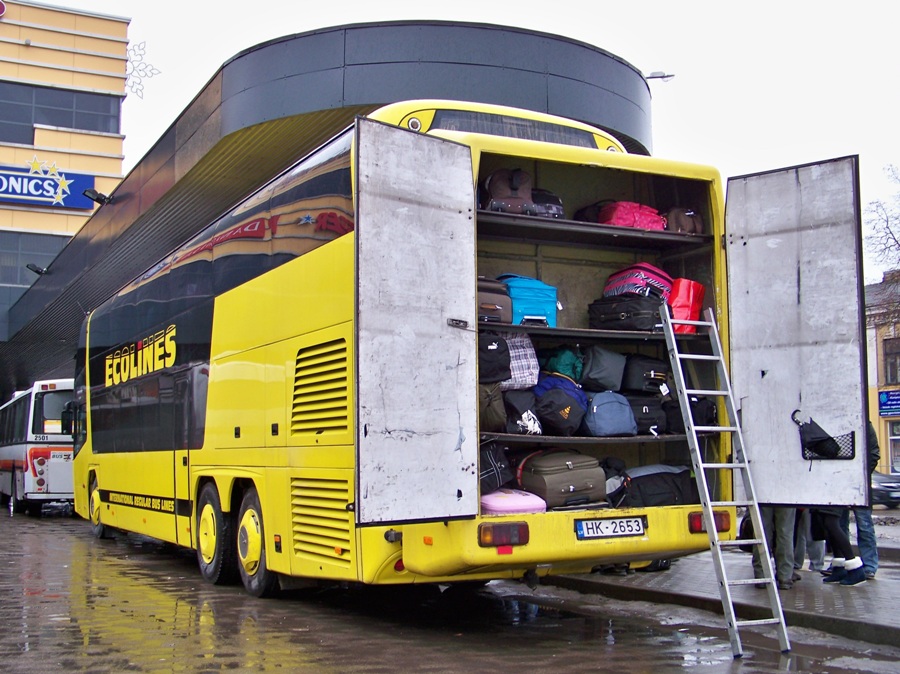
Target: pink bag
[
  {"x": 631, "y": 214},
  {"x": 640, "y": 278},
  {"x": 686, "y": 301}
]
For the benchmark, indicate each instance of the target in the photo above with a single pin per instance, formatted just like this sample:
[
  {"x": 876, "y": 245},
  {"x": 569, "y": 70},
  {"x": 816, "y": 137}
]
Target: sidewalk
[{"x": 868, "y": 612}]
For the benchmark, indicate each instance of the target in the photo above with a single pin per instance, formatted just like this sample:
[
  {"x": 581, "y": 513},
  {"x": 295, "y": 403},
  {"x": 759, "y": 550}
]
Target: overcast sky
[{"x": 757, "y": 86}]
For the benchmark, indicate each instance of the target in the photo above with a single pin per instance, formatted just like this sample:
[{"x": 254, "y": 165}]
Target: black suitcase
[
  {"x": 648, "y": 414},
  {"x": 625, "y": 312},
  {"x": 660, "y": 485},
  {"x": 644, "y": 374}
]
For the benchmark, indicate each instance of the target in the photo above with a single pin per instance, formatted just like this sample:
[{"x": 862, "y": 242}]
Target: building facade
[
  {"x": 883, "y": 350},
  {"x": 62, "y": 81}
]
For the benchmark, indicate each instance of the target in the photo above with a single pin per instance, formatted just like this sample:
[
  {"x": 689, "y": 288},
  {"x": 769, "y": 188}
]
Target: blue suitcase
[{"x": 533, "y": 302}]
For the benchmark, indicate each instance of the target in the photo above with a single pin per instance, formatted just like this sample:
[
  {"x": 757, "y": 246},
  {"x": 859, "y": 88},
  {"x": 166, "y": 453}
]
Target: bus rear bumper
[{"x": 553, "y": 542}]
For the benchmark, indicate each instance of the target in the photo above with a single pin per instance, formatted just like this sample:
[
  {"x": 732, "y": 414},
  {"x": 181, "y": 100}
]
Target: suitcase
[
  {"x": 644, "y": 374},
  {"x": 649, "y": 415},
  {"x": 641, "y": 278},
  {"x": 684, "y": 220},
  {"x": 494, "y": 303},
  {"x": 625, "y": 312},
  {"x": 602, "y": 369},
  {"x": 562, "y": 478},
  {"x": 511, "y": 502},
  {"x": 609, "y": 414},
  {"x": 547, "y": 204},
  {"x": 660, "y": 485},
  {"x": 703, "y": 412},
  {"x": 533, "y": 301},
  {"x": 508, "y": 191},
  {"x": 631, "y": 214}
]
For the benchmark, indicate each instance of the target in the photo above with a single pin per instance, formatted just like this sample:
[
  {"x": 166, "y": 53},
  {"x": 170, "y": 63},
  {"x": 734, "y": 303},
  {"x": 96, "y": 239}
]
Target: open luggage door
[
  {"x": 797, "y": 319},
  {"x": 416, "y": 399}
]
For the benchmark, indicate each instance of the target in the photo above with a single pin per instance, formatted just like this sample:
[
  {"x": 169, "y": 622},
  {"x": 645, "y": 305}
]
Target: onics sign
[{"x": 42, "y": 185}]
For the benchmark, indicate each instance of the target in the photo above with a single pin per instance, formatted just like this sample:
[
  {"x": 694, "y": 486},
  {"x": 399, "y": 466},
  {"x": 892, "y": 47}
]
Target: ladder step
[
  {"x": 762, "y": 621},
  {"x": 726, "y": 504},
  {"x": 697, "y": 356},
  {"x": 749, "y": 581},
  {"x": 705, "y": 392},
  {"x": 733, "y": 466},
  {"x": 684, "y": 321},
  {"x": 737, "y": 542},
  {"x": 716, "y": 429}
]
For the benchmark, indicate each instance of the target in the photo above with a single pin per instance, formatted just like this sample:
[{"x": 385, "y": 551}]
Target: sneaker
[{"x": 854, "y": 577}]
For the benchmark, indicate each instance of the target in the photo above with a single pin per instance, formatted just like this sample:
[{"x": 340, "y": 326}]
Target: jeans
[
  {"x": 805, "y": 545},
  {"x": 865, "y": 536},
  {"x": 779, "y": 529}
]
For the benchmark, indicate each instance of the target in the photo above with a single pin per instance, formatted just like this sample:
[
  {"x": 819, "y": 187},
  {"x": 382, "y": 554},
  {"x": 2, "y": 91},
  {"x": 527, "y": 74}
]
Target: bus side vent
[
  {"x": 320, "y": 520},
  {"x": 320, "y": 402}
]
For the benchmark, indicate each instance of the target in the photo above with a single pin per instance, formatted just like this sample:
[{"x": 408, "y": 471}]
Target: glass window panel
[
  {"x": 107, "y": 105},
  {"x": 54, "y": 98},
  {"x": 20, "y": 93},
  {"x": 17, "y": 133},
  {"x": 15, "y": 112},
  {"x": 53, "y": 117},
  {"x": 93, "y": 122}
]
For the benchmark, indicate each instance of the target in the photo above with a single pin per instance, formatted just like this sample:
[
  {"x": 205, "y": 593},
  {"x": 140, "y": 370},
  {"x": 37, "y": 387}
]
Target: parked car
[{"x": 885, "y": 489}]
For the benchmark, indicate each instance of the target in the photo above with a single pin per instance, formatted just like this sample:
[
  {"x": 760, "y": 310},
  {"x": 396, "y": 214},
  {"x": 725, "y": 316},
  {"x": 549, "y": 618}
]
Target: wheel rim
[
  {"x": 95, "y": 507},
  {"x": 250, "y": 542},
  {"x": 207, "y": 533}
]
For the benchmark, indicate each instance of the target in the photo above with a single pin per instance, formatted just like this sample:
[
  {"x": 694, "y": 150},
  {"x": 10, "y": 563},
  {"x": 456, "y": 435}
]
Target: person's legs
[
  {"x": 845, "y": 521},
  {"x": 767, "y": 515},
  {"x": 784, "y": 545},
  {"x": 801, "y": 526},
  {"x": 865, "y": 540}
]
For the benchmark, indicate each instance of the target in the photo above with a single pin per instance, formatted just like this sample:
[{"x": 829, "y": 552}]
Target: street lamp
[{"x": 659, "y": 75}]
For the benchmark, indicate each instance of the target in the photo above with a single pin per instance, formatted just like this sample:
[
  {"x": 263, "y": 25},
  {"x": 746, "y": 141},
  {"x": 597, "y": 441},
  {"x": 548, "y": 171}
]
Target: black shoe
[
  {"x": 795, "y": 577},
  {"x": 854, "y": 577},
  {"x": 783, "y": 585}
]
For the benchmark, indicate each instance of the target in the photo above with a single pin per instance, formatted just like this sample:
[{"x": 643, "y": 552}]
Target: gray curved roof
[{"x": 268, "y": 106}]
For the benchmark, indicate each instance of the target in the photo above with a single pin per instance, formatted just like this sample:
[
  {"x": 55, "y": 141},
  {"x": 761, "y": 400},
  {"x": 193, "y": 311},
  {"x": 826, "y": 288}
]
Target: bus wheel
[
  {"x": 216, "y": 552},
  {"x": 257, "y": 579},
  {"x": 34, "y": 508},
  {"x": 99, "y": 529}
]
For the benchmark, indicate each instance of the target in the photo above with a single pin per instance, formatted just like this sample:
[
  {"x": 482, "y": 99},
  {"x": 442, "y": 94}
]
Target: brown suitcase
[
  {"x": 494, "y": 303},
  {"x": 684, "y": 220},
  {"x": 562, "y": 477}
]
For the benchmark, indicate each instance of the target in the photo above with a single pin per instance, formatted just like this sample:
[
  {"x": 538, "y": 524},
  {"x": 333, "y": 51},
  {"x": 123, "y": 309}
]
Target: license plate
[{"x": 609, "y": 528}]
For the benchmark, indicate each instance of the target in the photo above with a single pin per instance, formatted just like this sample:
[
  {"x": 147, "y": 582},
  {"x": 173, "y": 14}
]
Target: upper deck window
[{"x": 511, "y": 127}]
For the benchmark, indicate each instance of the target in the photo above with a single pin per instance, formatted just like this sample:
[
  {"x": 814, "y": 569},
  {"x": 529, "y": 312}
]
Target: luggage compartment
[{"x": 577, "y": 258}]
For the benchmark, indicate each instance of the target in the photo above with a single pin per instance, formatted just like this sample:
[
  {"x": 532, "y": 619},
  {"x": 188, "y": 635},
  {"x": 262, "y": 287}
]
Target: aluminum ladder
[{"x": 701, "y": 365}]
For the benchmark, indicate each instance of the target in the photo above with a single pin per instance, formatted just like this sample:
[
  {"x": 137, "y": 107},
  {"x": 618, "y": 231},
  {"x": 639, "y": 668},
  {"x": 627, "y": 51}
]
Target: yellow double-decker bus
[{"x": 294, "y": 392}]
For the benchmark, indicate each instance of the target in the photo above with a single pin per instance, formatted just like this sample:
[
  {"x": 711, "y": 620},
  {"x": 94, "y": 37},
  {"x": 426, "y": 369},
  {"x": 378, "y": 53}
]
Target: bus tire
[
  {"x": 99, "y": 529},
  {"x": 216, "y": 548},
  {"x": 34, "y": 508},
  {"x": 251, "y": 548}
]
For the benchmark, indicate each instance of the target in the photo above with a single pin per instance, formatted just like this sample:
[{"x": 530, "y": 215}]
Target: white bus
[{"x": 35, "y": 454}]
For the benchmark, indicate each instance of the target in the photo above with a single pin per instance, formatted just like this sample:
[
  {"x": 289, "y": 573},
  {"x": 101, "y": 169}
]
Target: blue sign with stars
[
  {"x": 41, "y": 185},
  {"x": 889, "y": 404}
]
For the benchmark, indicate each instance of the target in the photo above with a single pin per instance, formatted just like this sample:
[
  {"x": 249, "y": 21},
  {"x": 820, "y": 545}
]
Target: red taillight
[
  {"x": 502, "y": 534},
  {"x": 399, "y": 567},
  {"x": 696, "y": 525}
]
